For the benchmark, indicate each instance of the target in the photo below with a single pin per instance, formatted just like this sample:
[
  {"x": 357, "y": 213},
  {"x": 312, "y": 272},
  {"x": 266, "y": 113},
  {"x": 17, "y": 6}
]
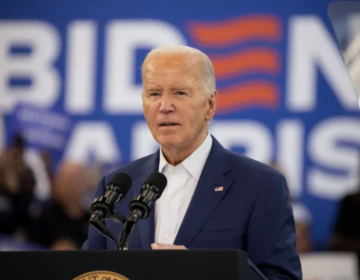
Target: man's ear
[{"x": 212, "y": 102}]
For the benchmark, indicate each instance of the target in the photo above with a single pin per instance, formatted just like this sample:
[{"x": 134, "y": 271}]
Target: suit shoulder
[
  {"x": 250, "y": 166},
  {"x": 132, "y": 168},
  {"x": 256, "y": 176}
]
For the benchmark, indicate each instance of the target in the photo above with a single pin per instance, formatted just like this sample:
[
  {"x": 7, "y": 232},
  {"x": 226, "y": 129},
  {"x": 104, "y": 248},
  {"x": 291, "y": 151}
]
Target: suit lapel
[
  {"x": 146, "y": 226},
  {"x": 205, "y": 198}
]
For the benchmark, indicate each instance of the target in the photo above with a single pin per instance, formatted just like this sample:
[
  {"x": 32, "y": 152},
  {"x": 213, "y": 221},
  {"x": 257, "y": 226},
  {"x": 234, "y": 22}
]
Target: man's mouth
[{"x": 168, "y": 124}]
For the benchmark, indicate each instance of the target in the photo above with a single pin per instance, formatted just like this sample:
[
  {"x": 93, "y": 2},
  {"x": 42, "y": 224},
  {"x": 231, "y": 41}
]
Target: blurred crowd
[
  {"x": 345, "y": 236},
  {"x": 41, "y": 209},
  {"x": 50, "y": 210}
]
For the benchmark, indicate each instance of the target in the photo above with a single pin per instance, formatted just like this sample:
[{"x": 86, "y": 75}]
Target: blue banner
[
  {"x": 41, "y": 128},
  {"x": 284, "y": 93}
]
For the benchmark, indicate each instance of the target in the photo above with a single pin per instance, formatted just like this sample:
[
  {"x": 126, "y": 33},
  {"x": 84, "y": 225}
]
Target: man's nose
[{"x": 167, "y": 105}]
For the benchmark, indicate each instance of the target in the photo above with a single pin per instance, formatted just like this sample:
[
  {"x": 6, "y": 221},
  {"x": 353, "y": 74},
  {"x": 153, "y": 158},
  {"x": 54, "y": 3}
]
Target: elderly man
[{"x": 214, "y": 198}]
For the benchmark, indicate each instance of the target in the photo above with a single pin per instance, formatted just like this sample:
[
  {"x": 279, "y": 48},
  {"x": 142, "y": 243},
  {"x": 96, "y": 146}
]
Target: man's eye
[
  {"x": 153, "y": 94},
  {"x": 180, "y": 93}
]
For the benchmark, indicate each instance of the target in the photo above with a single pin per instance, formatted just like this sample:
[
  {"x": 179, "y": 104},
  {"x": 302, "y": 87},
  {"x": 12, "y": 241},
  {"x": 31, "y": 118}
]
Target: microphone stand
[
  {"x": 96, "y": 222},
  {"x": 125, "y": 235},
  {"x": 128, "y": 229},
  {"x": 129, "y": 224}
]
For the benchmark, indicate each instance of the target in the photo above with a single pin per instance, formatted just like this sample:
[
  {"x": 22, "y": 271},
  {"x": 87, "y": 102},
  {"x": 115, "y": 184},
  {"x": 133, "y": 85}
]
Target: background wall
[{"x": 284, "y": 94}]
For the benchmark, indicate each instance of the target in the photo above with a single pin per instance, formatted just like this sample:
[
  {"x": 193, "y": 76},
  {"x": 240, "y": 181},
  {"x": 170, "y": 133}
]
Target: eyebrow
[
  {"x": 172, "y": 88},
  {"x": 153, "y": 89},
  {"x": 179, "y": 88}
]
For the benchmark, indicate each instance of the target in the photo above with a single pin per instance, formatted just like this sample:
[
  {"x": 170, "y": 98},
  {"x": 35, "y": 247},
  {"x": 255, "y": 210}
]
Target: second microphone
[{"x": 151, "y": 190}]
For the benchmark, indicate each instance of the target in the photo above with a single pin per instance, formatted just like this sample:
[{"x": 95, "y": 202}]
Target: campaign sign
[
  {"x": 284, "y": 93},
  {"x": 40, "y": 127}
]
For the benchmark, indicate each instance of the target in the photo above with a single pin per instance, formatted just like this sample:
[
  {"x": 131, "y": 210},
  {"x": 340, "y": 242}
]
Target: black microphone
[
  {"x": 104, "y": 207},
  {"x": 151, "y": 190}
]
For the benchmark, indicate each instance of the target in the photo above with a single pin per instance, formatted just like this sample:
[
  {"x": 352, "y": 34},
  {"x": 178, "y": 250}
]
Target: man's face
[{"x": 175, "y": 105}]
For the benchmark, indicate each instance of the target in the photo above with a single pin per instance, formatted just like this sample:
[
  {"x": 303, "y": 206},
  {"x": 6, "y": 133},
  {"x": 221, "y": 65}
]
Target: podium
[{"x": 122, "y": 265}]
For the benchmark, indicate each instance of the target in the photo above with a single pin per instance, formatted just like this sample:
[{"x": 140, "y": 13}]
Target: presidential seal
[{"x": 101, "y": 275}]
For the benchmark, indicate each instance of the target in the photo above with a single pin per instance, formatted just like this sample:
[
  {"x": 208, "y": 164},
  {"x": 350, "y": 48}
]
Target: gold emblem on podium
[{"x": 101, "y": 275}]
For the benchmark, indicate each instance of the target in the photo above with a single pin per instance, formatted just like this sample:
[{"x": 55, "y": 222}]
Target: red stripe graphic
[
  {"x": 252, "y": 94},
  {"x": 227, "y": 32},
  {"x": 250, "y": 61}
]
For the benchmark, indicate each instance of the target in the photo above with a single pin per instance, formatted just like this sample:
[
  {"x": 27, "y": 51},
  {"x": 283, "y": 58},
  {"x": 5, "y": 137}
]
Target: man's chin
[{"x": 168, "y": 143}]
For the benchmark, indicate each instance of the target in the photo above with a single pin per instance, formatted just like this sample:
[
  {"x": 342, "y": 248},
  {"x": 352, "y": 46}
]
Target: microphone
[
  {"x": 151, "y": 190},
  {"x": 104, "y": 207},
  {"x": 140, "y": 206}
]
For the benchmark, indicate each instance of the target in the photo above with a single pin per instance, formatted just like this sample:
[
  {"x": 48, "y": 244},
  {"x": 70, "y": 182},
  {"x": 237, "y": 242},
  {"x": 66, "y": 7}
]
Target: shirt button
[
  {"x": 172, "y": 201},
  {"x": 166, "y": 235}
]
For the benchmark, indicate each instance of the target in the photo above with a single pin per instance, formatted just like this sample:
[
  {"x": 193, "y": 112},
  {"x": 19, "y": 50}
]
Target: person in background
[
  {"x": 17, "y": 183},
  {"x": 63, "y": 222},
  {"x": 36, "y": 160},
  {"x": 303, "y": 220},
  {"x": 346, "y": 234}
]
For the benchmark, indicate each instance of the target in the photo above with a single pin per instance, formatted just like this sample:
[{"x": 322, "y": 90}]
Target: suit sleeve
[
  {"x": 96, "y": 241},
  {"x": 271, "y": 238}
]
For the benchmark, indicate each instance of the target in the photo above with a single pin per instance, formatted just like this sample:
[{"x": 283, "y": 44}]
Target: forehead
[{"x": 170, "y": 69}]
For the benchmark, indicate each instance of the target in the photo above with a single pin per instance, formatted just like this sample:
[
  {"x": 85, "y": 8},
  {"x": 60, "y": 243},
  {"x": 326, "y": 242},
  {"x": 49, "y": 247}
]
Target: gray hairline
[{"x": 208, "y": 76}]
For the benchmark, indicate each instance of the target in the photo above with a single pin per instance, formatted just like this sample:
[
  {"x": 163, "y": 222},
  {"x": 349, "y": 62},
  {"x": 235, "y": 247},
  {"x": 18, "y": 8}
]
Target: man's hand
[{"x": 160, "y": 246}]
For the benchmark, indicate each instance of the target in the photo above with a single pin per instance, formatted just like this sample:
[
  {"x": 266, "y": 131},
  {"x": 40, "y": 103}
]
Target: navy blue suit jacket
[{"x": 252, "y": 213}]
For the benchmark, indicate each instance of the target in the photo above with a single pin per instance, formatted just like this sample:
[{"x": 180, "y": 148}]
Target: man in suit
[{"x": 214, "y": 198}]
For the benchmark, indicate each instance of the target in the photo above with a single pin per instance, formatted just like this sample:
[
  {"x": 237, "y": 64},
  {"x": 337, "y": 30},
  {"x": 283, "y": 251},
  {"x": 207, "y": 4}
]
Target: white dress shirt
[{"x": 182, "y": 179}]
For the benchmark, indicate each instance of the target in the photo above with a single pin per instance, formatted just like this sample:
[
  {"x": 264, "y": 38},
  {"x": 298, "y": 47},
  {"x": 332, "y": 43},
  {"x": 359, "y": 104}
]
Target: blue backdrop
[{"x": 284, "y": 93}]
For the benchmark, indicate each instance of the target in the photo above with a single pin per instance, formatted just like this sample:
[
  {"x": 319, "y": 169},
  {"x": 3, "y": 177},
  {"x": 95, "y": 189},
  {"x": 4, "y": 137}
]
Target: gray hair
[{"x": 208, "y": 70}]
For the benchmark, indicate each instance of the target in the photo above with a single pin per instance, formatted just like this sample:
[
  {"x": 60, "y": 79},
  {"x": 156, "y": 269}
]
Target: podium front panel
[{"x": 133, "y": 265}]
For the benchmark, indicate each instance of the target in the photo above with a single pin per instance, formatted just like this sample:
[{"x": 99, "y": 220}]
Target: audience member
[
  {"x": 63, "y": 221},
  {"x": 17, "y": 184},
  {"x": 303, "y": 221},
  {"x": 36, "y": 162},
  {"x": 346, "y": 235}
]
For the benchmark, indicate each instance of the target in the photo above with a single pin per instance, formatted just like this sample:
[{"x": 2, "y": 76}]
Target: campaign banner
[
  {"x": 40, "y": 127},
  {"x": 284, "y": 93}
]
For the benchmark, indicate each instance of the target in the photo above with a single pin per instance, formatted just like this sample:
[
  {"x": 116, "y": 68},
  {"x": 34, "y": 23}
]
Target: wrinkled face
[{"x": 175, "y": 105}]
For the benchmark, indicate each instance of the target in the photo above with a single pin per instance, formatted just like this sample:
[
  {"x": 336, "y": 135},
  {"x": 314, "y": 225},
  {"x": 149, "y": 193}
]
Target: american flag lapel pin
[{"x": 219, "y": 189}]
